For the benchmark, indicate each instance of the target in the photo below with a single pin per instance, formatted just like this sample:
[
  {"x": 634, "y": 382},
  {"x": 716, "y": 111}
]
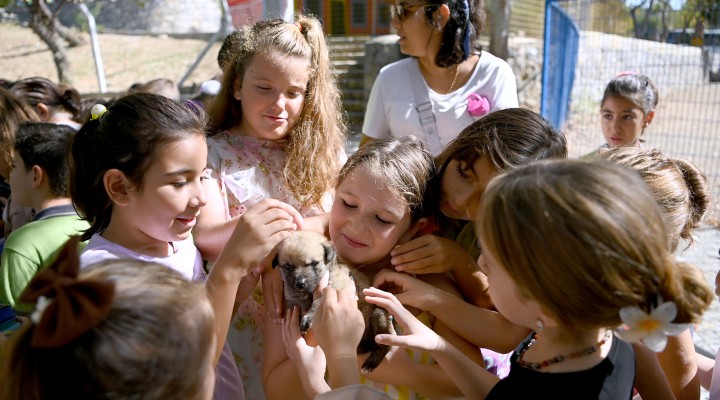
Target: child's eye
[
  {"x": 628, "y": 117},
  {"x": 180, "y": 184},
  {"x": 461, "y": 172},
  {"x": 607, "y": 116},
  {"x": 348, "y": 205},
  {"x": 382, "y": 221},
  {"x": 295, "y": 94},
  {"x": 263, "y": 88}
]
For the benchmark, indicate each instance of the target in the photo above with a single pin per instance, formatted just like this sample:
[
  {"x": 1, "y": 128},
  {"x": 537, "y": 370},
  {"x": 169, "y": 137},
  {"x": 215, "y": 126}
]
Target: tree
[
  {"x": 44, "y": 24},
  {"x": 499, "y": 16}
]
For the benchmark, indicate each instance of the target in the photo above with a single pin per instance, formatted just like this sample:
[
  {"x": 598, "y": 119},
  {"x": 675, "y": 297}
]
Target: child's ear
[
  {"x": 43, "y": 111},
  {"x": 38, "y": 176},
  {"x": 237, "y": 88},
  {"x": 414, "y": 228},
  {"x": 648, "y": 118},
  {"x": 441, "y": 17},
  {"x": 116, "y": 186}
]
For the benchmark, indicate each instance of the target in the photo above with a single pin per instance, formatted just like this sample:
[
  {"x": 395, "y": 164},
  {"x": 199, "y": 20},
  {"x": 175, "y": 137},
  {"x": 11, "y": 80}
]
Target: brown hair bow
[{"x": 75, "y": 306}]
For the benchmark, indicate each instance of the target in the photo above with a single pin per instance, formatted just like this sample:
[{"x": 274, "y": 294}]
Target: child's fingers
[
  {"x": 409, "y": 246},
  {"x": 397, "y": 279}
]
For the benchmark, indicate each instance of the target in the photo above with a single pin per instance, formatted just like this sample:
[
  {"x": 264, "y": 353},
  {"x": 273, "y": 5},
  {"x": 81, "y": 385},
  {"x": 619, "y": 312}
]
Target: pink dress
[{"x": 250, "y": 170}]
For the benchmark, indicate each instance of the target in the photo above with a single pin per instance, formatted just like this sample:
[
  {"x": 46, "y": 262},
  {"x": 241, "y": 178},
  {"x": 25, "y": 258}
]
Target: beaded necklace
[{"x": 554, "y": 360}]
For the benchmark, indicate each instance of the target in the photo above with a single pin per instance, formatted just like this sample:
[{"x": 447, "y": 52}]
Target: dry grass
[{"x": 126, "y": 59}]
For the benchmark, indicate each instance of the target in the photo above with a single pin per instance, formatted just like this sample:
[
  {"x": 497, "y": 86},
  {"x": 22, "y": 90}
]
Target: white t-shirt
[
  {"x": 185, "y": 259},
  {"x": 391, "y": 106}
]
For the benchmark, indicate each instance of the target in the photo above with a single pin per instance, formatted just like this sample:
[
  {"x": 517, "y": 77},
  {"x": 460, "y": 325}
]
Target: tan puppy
[{"x": 304, "y": 259}]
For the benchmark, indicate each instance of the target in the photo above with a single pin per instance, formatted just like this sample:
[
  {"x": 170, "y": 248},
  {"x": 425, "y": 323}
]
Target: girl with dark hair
[
  {"x": 56, "y": 103},
  {"x": 447, "y": 83}
]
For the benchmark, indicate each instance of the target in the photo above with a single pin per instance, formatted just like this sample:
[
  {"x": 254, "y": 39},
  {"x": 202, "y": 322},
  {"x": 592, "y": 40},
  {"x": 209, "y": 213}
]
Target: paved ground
[{"x": 704, "y": 254}]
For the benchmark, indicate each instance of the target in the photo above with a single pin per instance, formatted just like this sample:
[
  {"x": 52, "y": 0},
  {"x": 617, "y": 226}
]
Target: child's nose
[{"x": 199, "y": 198}]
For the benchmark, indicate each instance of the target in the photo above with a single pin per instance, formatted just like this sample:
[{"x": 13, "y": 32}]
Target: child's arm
[
  {"x": 310, "y": 361},
  {"x": 213, "y": 229},
  {"x": 338, "y": 327},
  {"x": 679, "y": 363},
  {"x": 433, "y": 254},
  {"x": 236, "y": 271},
  {"x": 472, "y": 379},
  {"x": 705, "y": 370},
  {"x": 481, "y": 327},
  {"x": 279, "y": 374},
  {"x": 650, "y": 381}
]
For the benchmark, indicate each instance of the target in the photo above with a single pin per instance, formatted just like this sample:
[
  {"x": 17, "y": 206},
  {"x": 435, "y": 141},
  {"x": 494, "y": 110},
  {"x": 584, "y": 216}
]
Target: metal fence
[{"x": 587, "y": 43}]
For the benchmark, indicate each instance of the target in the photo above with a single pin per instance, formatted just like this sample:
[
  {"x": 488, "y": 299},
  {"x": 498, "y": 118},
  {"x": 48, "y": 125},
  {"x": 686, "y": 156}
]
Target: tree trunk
[
  {"x": 499, "y": 16},
  {"x": 42, "y": 24},
  {"x": 71, "y": 38}
]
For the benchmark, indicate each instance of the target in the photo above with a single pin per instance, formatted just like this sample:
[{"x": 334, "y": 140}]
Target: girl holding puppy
[
  {"x": 575, "y": 221},
  {"x": 276, "y": 133},
  {"x": 378, "y": 204}
]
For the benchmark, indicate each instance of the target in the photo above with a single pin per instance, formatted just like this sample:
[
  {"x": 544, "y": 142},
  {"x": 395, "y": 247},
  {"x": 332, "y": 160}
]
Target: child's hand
[
  {"x": 409, "y": 290},
  {"x": 429, "y": 254},
  {"x": 258, "y": 231},
  {"x": 416, "y": 334},
  {"x": 338, "y": 324},
  {"x": 309, "y": 360},
  {"x": 273, "y": 294}
]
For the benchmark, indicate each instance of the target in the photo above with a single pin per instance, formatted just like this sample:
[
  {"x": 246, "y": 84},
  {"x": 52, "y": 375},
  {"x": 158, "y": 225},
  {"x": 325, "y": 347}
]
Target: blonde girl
[
  {"x": 378, "y": 205},
  {"x": 681, "y": 191},
  {"x": 572, "y": 250},
  {"x": 276, "y": 132}
]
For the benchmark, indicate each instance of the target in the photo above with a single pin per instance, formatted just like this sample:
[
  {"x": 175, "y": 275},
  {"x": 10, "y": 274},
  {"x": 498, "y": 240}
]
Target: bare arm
[
  {"x": 472, "y": 379},
  {"x": 213, "y": 228},
  {"x": 705, "y": 370},
  {"x": 434, "y": 254},
  {"x": 679, "y": 363},
  {"x": 236, "y": 271},
  {"x": 482, "y": 327},
  {"x": 650, "y": 381}
]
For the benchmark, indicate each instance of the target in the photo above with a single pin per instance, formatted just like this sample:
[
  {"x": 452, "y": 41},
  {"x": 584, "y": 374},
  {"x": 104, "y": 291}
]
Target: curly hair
[{"x": 315, "y": 144}]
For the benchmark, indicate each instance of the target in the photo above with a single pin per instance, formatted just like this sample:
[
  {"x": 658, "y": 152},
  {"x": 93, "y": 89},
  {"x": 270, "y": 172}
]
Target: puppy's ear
[
  {"x": 329, "y": 252},
  {"x": 276, "y": 261}
]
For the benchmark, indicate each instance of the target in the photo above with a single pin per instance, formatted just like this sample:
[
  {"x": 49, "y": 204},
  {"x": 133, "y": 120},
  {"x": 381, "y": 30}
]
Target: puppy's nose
[{"x": 300, "y": 284}]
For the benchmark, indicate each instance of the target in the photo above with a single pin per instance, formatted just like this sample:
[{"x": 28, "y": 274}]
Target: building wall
[{"x": 527, "y": 16}]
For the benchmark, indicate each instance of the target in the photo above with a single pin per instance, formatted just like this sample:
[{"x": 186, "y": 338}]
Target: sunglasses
[{"x": 402, "y": 11}]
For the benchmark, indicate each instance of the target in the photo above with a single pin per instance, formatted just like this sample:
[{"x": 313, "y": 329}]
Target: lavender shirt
[{"x": 186, "y": 260}]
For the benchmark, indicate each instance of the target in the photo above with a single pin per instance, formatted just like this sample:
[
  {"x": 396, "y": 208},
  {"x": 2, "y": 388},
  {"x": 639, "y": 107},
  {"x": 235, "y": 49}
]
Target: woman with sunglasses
[{"x": 446, "y": 84}]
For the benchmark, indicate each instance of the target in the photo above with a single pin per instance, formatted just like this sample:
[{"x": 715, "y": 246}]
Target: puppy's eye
[
  {"x": 314, "y": 263},
  {"x": 288, "y": 266}
]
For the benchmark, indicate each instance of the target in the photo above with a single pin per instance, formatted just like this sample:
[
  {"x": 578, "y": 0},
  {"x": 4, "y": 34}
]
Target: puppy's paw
[{"x": 305, "y": 324}]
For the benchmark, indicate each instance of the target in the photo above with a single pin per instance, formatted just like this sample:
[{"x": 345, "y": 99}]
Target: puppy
[{"x": 304, "y": 258}]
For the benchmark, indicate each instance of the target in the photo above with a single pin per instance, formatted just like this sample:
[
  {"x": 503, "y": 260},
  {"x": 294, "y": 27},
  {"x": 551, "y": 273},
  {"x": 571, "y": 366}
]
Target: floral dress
[{"x": 250, "y": 170}]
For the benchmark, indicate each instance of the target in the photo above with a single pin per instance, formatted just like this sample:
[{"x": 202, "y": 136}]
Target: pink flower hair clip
[{"x": 477, "y": 105}]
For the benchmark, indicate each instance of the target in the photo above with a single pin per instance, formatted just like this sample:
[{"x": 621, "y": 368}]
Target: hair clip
[
  {"x": 97, "y": 111},
  {"x": 653, "y": 329},
  {"x": 66, "y": 307}
]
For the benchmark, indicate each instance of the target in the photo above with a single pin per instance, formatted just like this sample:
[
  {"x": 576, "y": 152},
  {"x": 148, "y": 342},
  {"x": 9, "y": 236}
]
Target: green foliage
[{"x": 707, "y": 10}]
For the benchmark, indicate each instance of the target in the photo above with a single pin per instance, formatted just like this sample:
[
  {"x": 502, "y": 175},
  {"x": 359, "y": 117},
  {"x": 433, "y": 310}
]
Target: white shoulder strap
[{"x": 423, "y": 106}]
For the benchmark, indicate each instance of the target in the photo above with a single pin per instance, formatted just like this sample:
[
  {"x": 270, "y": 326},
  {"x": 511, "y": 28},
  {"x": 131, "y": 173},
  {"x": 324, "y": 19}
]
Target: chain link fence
[{"x": 588, "y": 42}]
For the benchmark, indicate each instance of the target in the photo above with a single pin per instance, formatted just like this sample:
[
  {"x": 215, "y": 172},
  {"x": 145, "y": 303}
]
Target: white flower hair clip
[
  {"x": 653, "y": 329},
  {"x": 42, "y": 303}
]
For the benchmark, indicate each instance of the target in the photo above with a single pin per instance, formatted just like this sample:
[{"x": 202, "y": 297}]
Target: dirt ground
[{"x": 126, "y": 59}]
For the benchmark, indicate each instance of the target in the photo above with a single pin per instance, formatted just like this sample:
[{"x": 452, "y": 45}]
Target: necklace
[
  {"x": 554, "y": 360},
  {"x": 457, "y": 71}
]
